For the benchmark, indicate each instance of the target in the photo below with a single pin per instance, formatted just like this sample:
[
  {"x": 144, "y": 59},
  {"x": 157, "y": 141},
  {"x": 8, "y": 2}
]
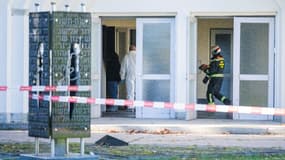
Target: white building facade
[{"x": 172, "y": 39}]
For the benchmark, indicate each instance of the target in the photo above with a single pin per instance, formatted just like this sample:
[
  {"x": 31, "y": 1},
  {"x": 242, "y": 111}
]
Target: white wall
[
  {"x": 13, "y": 43},
  {"x": 14, "y": 62},
  {"x": 18, "y": 63},
  {"x": 280, "y": 56},
  {"x": 137, "y": 6},
  {"x": 5, "y": 39}
]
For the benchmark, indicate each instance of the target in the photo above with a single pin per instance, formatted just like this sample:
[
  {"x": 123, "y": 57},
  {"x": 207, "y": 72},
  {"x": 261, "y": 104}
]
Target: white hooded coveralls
[{"x": 128, "y": 73}]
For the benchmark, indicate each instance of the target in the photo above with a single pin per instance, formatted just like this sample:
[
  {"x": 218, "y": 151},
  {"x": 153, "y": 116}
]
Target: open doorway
[
  {"x": 154, "y": 40},
  {"x": 117, "y": 35},
  {"x": 215, "y": 32},
  {"x": 247, "y": 46}
]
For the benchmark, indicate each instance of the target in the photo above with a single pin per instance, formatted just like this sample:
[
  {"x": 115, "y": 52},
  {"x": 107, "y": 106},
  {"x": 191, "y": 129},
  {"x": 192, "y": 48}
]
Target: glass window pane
[
  {"x": 224, "y": 41},
  {"x": 227, "y": 86},
  {"x": 253, "y": 93},
  {"x": 122, "y": 42},
  {"x": 254, "y": 48},
  {"x": 156, "y": 48},
  {"x": 156, "y": 90},
  {"x": 133, "y": 36}
]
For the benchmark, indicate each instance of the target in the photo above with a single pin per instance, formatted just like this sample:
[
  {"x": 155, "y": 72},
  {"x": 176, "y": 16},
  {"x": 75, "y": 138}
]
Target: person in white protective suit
[{"x": 128, "y": 71}]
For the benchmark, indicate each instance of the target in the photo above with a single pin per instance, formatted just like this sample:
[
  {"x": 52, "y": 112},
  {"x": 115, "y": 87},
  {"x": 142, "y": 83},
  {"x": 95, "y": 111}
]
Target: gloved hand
[
  {"x": 205, "y": 80},
  {"x": 203, "y": 67}
]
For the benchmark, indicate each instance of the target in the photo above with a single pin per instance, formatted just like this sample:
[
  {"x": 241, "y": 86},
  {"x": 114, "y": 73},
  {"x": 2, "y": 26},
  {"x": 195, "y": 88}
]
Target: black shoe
[{"x": 227, "y": 102}]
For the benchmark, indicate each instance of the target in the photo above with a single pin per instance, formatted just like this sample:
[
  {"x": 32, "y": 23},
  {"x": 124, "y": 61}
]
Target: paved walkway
[
  {"x": 198, "y": 126},
  {"x": 201, "y": 132},
  {"x": 218, "y": 140}
]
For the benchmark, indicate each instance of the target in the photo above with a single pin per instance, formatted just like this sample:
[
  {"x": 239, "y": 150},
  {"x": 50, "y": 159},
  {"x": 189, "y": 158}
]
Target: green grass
[{"x": 150, "y": 152}]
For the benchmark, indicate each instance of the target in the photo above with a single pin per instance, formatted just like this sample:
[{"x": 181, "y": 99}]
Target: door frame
[
  {"x": 237, "y": 77},
  {"x": 139, "y": 61}
]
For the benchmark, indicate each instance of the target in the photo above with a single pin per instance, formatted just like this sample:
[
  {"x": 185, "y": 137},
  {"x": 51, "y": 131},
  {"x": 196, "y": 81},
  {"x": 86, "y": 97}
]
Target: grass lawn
[{"x": 150, "y": 152}]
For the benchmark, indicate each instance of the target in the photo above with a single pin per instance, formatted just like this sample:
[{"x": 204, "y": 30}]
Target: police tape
[
  {"x": 48, "y": 88},
  {"x": 163, "y": 105},
  {"x": 3, "y": 88}
]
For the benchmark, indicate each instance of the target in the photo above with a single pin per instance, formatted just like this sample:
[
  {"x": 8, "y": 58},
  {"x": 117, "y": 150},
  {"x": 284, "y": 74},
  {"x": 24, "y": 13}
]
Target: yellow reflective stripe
[
  {"x": 223, "y": 98},
  {"x": 217, "y": 75},
  {"x": 210, "y": 98}
]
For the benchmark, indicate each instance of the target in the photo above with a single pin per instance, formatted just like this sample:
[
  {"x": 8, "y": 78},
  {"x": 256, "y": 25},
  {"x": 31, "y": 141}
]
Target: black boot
[{"x": 227, "y": 101}]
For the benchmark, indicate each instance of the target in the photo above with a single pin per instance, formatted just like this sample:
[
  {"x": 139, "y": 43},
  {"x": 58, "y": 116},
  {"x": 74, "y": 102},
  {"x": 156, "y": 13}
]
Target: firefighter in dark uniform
[{"x": 214, "y": 73}]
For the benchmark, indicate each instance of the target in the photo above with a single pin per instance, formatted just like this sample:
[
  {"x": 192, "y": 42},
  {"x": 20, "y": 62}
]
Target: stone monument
[{"x": 59, "y": 55}]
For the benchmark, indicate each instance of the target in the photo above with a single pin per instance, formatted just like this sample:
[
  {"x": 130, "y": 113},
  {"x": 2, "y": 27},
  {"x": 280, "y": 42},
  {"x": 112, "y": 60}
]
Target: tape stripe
[
  {"x": 25, "y": 88},
  {"x": 63, "y": 99},
  {"x": 168, "y": 105},
  {"x": 179, "y": 106},
  {"x": 3, "y": 88},
  {"x": 38, "y": 88},
  {"x": 158, "y": 104},
  {"x": 211, "y": 108},
  {"x": 148, "y": 104},
  {"x": 190, "y": 107},
  {"x": 128, "y": 103},
  {"x": 48, "y": 88},
  {"x": 139, "y": 103},
  {"x": 55, "y": 98},
  {"x": 220, "y": 108},
  {"x": 91, "y": 100},
  {"x": 119, "y": 102},
  {"x": 164, "y": 105},
  {"x": 200, "y": 107},
  {"x": 110, "y": 102}
]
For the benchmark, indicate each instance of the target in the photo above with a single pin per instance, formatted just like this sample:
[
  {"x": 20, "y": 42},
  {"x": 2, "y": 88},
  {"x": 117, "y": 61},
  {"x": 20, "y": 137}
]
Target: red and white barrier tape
[
  {"x": 165, "y": 105},
  {"x": 3, "y": 88},
  {"x": 48, "y": 88}
]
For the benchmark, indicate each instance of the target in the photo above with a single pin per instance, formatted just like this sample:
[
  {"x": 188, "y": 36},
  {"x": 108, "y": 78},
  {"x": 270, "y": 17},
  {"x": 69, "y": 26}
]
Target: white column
[
  {"x": 96, "y": 63},
  {"x": 25, "y": 80},
  {"x": 282, "y": 51},
  {"x": 280, "y": 40},
  {"x": 192, "y": 65},
  {"x": 17, "y": 64},
  {"x": 5, "y": 45},
  {"x": 181, "y": 34}
]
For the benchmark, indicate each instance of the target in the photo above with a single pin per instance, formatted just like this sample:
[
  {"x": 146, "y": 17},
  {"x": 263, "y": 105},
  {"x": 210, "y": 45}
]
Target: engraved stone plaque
[
  {"x": 59, "y": 54},
  {"x": 39, "y": 117}
]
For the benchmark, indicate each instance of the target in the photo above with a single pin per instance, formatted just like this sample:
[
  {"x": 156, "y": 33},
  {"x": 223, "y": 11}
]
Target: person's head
[
  {"x": 215, "y": 50},
  {"x": 132, "y": 47},
  {"x": 75, "y": 48},
  {"x": 41, "y": 47}
]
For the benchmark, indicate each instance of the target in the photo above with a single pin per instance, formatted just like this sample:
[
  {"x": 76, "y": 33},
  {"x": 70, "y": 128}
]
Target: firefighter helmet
[{"x": 216, "y": 50}]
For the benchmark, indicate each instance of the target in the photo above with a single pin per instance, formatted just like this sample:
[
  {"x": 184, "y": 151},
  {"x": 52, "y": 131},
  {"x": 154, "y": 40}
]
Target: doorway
[
  {"x": 154, "y": 38},
  {"x": 248, "y": 47},
  {"x": 215, "y": 32},
  {"x": 117, "y": 36}
]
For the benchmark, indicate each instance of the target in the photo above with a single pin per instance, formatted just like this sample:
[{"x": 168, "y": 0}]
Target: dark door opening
[
  {"x": 215, "y": 32},
  {"x": 115, "y": 45}
]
